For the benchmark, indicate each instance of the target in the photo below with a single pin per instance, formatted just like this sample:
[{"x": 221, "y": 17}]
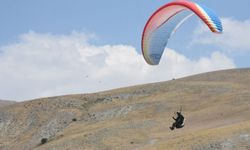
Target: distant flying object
[{"x": 166, "y": 20}]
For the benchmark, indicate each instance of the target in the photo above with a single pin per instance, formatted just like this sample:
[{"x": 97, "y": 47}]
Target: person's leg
[{"x": 173, "y": 126}]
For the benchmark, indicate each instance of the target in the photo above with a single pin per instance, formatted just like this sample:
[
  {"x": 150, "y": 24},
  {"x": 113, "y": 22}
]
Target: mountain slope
[
  {"x": 5, "y": 103},
  {"x": 216, "y": 106}
]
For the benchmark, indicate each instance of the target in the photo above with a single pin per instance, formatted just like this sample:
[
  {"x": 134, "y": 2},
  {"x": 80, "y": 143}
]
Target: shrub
[{"x": 44, "y": 140}]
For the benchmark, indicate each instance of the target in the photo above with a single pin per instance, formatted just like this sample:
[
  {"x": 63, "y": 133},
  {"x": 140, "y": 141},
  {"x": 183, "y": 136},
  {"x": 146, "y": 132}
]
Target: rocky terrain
[{"x": 216, "y": 106}]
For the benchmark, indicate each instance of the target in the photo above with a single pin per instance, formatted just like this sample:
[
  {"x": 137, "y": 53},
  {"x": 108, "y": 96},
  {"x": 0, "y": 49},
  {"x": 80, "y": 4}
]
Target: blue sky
[{"x": 113, "y": 23}]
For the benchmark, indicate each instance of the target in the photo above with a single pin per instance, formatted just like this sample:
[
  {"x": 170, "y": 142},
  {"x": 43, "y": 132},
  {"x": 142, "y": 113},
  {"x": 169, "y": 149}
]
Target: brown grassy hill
[
  {"x": 216, "y": 106},
  {"x": 5, "y": 103}
]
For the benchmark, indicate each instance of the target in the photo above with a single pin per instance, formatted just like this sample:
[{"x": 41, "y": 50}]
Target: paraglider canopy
[{"x": 165, "y": 21}]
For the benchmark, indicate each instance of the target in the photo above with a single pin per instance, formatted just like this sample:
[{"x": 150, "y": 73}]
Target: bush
[
  {"x": 74, "y": 119},
  {"x": 44, "y": 140}
]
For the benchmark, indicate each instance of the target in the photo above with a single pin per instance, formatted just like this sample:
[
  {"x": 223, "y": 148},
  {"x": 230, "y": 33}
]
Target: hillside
[
  {"x": 216, "y": 106},
  {"x": 5, "y": 103}
]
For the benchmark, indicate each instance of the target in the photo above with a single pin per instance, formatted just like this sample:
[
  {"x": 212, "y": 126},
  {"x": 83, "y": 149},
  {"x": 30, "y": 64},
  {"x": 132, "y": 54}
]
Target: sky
[{"x": 60, "y": 47}]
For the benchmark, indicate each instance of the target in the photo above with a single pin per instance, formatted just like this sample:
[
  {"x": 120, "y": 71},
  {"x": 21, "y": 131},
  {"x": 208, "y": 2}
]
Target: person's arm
[{"x": 174, "y": 118}]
